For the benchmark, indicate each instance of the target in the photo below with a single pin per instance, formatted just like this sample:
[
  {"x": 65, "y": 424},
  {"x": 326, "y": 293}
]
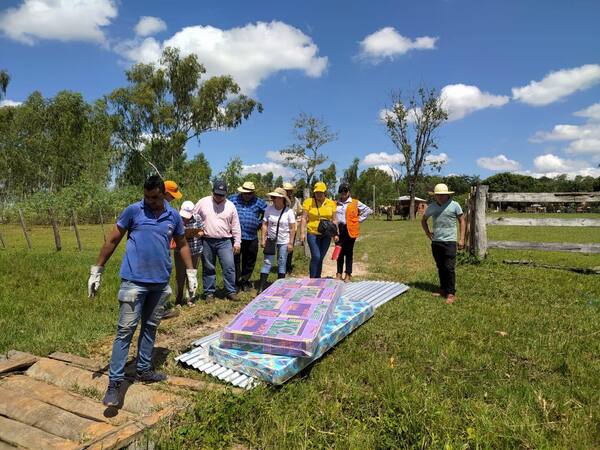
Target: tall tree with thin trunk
[
  {"x": 4, "y": 80},
  {"x": 351, "y": 173},
  {"x": 311, "y": 133},
  {"x": 412, "y": 124}
]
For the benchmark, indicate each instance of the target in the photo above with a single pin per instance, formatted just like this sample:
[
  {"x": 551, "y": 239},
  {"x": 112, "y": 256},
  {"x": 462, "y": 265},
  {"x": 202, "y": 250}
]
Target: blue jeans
[
  {"x": 282, "y": 252},
  {"x": 222, "y": 249},
  {"x": 145, "y": 301},
  {"x": 318, "y": 249}
]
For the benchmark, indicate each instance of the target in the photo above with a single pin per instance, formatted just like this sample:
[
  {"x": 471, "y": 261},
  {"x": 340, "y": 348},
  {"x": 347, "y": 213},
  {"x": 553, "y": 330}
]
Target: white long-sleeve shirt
[
  {"x": 363, "y": 210},
  {"x": 220, "y": 219}
]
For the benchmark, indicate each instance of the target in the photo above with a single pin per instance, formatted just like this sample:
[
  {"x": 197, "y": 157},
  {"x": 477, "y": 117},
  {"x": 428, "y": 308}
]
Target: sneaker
[
  {"x": 233, "y": 297},
  {"x": 170, "y": 313},
  {"x": 113, "y": 394},
  {"x": 150, "y": 376},
  {"x": 209, "y": 298}
]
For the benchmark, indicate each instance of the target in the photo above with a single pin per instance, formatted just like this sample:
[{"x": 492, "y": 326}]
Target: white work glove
[
  {"x": 192, "y": 278},
  {"x": 94, "y": 281}
]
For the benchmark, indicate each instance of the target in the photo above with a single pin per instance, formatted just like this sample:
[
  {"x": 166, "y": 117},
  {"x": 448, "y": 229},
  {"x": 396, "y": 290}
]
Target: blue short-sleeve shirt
[
  {"x": 147, "y": 252},
  {"x": 444, "y": 220},
  {"x": 250, "y": 214}
]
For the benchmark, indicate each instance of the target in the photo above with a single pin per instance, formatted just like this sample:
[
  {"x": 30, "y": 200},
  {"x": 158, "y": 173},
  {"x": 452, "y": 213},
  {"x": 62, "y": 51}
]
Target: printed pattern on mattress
[
  {"x": 347, "y": 316},
  {"x": 286, "y": 319}
]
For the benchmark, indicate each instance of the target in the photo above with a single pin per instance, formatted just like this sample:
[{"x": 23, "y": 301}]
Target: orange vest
[{"x": 352, "y": 223}]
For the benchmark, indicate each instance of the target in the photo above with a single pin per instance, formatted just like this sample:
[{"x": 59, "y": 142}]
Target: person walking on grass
[
  {"x": 445, "y": 213},
  {"x": 319, "y": 226},
  {"x": 250, "y": 210},
  {"x": 278, "y": 234},
  {"x": 221, "y": 226},
  {"x": 350, "y": 214},
  {"x": 296, "y": 207},
  {"x": 194, "y": 230},
  {"x": 150, "y": 225}
]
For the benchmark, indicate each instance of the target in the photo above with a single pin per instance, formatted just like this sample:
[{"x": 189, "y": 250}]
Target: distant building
[{"x": 402, "y": 205}]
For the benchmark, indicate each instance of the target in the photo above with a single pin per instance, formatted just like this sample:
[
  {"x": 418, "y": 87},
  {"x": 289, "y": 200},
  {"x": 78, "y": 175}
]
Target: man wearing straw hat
[
  {"x": 250, "y": 210},
  {"x": 296, "y": 207},
  {"x": 445, "y": 213}
]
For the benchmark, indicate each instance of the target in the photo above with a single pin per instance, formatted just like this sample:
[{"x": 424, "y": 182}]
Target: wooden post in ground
[
  {"x": 480, "y": 232},
  {"x": 22, "y": 220},
  {"x": 2, "y": 241},
  {"x": 55, "y": 229},
  {"x": 74, "y": 214}
]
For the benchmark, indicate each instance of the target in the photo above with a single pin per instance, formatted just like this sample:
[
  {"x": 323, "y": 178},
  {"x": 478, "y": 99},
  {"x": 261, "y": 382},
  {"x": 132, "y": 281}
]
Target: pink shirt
[{"x": 220, "y": 219}]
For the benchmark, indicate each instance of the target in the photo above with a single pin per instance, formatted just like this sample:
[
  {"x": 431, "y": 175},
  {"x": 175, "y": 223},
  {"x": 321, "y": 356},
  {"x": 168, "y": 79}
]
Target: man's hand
[
  {"x": 290, "y": 246},
  {"x": 236, "y": 249},
  {"x": 94, "y": 280},
  {"x": 429, "y": 234},
  {"x": 263, "y": 244},
  {"x": 461, "y": 244},
  {"x": 336, "y": 238},
  {"x": 192, "y": 278}
]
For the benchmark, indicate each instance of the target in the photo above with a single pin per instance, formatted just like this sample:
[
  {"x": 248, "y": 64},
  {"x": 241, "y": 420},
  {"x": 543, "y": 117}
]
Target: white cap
[{"x": 186, "y": 209}]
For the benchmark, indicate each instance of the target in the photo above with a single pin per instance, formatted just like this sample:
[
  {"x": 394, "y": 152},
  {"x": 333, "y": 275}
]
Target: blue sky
[{"x": 521, "y": 79}]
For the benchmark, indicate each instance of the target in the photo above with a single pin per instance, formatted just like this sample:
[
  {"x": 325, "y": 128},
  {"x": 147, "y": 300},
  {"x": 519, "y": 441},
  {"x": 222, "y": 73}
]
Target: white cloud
[
  {"x": 382, "y": 158},
  {"x": 9, "y": 103},
  {"x": 384, "y": 113},
  {"x": 499, "y": 163},
  {"x": 391, "y": 171},
  {"x": 62, "y": 20},
  {"x": 388, "y": 43},
  {"x": 275, "y": 156},
  {"x": 149, "y": 25},
  {"x": 262, "y": 168},
  {"x": 592, "y": 113},
  {"x": 589, "y": 146},
  {"x": 250, "y": 54},
  {"x": 461, "y": 99},
  {"x": 557, "y": 85},
  {"x": 442, "y": 158},
  {"x": 550, "y": 163}
]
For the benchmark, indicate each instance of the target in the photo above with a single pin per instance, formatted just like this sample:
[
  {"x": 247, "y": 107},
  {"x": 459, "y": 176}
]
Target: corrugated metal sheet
[{"x": 376, "y": 293}]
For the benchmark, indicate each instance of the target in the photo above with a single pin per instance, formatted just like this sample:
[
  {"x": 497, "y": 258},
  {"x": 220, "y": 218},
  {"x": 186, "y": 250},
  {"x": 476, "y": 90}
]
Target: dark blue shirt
[
  {"x": 250, "y": 215},
  {"x": 147, "y": 254}
]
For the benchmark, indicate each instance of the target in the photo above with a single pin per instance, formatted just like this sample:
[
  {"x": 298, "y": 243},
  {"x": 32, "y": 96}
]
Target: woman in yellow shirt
[{"x": 315, "y": 210}]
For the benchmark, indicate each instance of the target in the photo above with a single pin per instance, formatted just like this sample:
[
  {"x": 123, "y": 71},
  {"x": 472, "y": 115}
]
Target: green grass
[{"x": 514, "y": 363}]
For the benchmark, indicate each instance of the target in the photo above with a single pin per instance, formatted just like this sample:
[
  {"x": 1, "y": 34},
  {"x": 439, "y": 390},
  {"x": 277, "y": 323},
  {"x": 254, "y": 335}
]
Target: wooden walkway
[{"x": 55, "y": 403}]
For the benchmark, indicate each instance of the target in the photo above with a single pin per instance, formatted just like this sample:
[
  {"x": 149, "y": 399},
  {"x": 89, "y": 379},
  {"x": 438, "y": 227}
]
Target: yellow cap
[{"x": 320, "y": 187}]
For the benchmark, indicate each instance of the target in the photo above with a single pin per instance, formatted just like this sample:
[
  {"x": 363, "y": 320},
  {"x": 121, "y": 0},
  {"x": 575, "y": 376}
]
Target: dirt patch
[{"x": 359, "y": 267}]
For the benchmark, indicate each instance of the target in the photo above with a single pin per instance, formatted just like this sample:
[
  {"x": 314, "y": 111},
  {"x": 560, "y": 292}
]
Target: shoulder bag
[
  {"x": 271, "y": 244},
  {"x": 326, "y": 227}
]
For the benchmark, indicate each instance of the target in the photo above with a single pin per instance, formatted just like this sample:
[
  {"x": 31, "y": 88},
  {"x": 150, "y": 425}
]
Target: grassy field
[{"x": 514, "y": 363}]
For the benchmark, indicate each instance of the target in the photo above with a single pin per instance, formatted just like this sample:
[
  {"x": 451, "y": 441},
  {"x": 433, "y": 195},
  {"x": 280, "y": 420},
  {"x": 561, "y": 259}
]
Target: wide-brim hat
[
  {"x": 280, "y": 192},
  {"x": 172, "y": 188},
  {"x": 288, "y": 186},
  {"x": 441, "y": 189},
  {"x": 247, "y": 187}
]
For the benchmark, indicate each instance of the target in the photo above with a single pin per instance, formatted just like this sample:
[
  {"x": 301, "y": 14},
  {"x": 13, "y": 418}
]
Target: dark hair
[{"x": 154, "y": 182}]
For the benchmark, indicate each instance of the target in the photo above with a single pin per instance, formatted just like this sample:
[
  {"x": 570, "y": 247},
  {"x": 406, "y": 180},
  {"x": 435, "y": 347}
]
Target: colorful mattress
[
  {"x": 347, "y": 316},
  {"x": 286, "y": 319}
]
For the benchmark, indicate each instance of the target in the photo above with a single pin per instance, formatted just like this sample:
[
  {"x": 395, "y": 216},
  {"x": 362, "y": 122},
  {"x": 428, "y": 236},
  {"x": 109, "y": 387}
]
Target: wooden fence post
[
  {"x": 479, "y": 228},
  {"x": 55, "y": 229},
  {"x": 2, "y": 241},
  {"x": 102, "y": 225},
  {"x": 22, "y": 219},
  {"x": 74, "y": 213}
]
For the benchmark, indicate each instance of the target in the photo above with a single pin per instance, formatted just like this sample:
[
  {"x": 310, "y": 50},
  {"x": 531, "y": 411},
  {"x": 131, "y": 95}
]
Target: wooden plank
[
  {"x": 77, "y": 404},
  {"x": 17, "y": 362},
  {"x": 85, "y": 363},
  {"x": 549, "y": 222},
  {"x": 546, "y": 246},
  {"x": 5, "y": 446},
  {"x": 544, "y": 197},
  {"x": 26, "y": 436},
  {"x": 49, "y": 418},
  {"x": 139, "y": 398}
]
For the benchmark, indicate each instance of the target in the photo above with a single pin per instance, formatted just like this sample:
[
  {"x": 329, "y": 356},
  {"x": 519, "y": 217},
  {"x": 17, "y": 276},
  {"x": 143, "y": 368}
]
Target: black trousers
[
  {"x": 444, "y": 254},
  {"x": 245, "y": 261},
  {"x": 288, "y": 264},
  {"x": 347, "y": 253}
]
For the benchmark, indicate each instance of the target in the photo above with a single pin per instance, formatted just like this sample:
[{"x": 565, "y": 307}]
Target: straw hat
[
  {"x": 288, "y": 186},
  {"x": 441, "y": 189},
  {"x": 247, "y": 187},
  {"x": 280, "y": 192}
]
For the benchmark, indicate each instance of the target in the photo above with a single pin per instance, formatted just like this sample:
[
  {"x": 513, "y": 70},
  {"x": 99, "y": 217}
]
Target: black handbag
[
  {"x": 326, "y": 227},
  {"x": 271, "y": 244}
]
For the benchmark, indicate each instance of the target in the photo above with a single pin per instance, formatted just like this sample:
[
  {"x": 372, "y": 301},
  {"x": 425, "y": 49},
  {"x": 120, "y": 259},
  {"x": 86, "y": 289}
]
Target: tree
[
  {"x": 351, "y": 173},
  {"x": 311, "y": 134},
  {"x": 165, "y": 106},
  {"x": 4, "y": 80},
  {"x": 194, "y": 177},
  {"x": 232, "y": 174},
  {"x": 383, "y": 182},
  {"x": 329, "y": 177},
  {"x": 411, "y": 125}
]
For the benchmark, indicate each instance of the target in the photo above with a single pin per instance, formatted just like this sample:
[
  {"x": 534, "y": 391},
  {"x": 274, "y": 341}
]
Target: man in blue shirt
[
  {"x": 145, "y": 272},
  {"x": 445, "y": 213},
  {"x": 250, "y": 210}
]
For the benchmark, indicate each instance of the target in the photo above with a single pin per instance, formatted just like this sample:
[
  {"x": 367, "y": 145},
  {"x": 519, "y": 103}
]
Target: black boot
[
  {"x": 280, "y": 276},
  {"x": 262, "y": 282}
]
